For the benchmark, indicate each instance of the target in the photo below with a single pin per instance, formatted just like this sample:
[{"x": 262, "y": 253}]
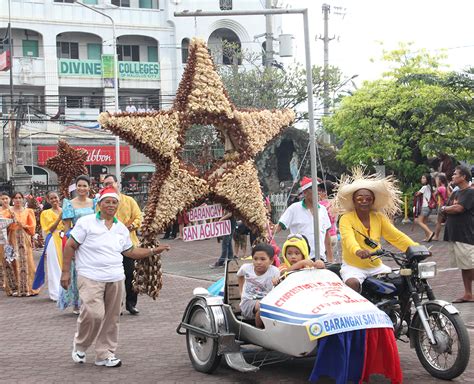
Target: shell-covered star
[
  {"x": 201, "y": 99},
  {"x": 68, "y": 164}
]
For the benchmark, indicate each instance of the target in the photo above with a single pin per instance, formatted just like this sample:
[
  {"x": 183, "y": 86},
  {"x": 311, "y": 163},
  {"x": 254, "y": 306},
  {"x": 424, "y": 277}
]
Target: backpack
[{"x": 432, "y": 203}]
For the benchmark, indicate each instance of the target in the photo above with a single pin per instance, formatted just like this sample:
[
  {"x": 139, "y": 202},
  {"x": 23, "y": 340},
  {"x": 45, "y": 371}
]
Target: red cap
[{"x": 108, "y": 192}]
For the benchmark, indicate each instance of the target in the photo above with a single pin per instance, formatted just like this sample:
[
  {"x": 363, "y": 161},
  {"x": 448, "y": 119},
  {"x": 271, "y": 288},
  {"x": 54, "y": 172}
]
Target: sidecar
[{"x": 306, "y": 306}]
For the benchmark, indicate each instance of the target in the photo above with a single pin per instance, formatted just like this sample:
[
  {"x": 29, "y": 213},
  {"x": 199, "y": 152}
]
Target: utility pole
[
  {"x": 326, "y": 39},
  {"x": 268, "y": 36}
]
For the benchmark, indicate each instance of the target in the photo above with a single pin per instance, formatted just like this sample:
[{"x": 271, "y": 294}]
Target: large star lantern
[
  {"x": 200, "y": 99},
  {"x": 68, "y": 164}
]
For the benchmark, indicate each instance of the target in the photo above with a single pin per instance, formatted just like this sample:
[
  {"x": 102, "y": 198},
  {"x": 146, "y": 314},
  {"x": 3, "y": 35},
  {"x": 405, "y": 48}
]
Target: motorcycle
[{"x": 434, "y": 327}]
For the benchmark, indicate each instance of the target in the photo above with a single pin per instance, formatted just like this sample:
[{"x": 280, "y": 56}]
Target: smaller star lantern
[
  {"x": 68, "y": 164},
  {"x": 201, "y": 99}
]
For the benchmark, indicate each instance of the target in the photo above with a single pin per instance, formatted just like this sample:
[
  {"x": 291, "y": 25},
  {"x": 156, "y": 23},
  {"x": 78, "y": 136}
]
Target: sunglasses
[{"x": 363, "y": 199}]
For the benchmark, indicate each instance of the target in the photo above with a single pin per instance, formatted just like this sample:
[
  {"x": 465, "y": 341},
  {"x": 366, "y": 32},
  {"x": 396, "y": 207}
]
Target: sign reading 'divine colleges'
[{"x": 93, "y": 68}]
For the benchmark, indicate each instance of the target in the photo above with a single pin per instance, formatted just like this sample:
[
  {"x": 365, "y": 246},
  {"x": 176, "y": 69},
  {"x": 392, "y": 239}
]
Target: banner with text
[
  {"x": 318, "y": 300},
  {"x": 207, "y": 230},
  {"x": 205, "y": 212},
  {"x": 96, "y": 155},
  {"x": 104, "y": 68}
]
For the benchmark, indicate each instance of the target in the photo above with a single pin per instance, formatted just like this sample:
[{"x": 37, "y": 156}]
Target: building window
[
  {"x": 66, "y": 50},
  {"x": 91, "y": 2},
  {"x": 74, "y": 101},
  {"x": 225, "y": 5},
  {"x": 30, "y": 48},
  {"x": 64, "y": 1},
  {"x": 184, "y": 50},
  {"x": 128, "y": 52},
  {"x": 94, "y": 51},
  {"x": 121, "y": 3},
  {"x": 153, "y": 54},
  {"x": 149, "y": 4}
]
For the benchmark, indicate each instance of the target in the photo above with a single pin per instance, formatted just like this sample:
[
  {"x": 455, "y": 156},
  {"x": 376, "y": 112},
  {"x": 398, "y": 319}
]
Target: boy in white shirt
[{"x": 256, "y": 280}]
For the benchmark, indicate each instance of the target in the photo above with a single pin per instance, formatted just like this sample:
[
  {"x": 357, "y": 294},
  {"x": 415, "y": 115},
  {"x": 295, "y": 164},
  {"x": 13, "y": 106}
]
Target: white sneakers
[
  {"x": 110, "y": 362},
  {"x": 78, "y": 357}
]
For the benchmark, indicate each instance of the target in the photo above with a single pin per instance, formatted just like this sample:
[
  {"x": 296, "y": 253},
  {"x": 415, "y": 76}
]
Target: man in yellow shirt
[
  {"x": 365, "y": 204},
  {"x": 128, "y": 213}
]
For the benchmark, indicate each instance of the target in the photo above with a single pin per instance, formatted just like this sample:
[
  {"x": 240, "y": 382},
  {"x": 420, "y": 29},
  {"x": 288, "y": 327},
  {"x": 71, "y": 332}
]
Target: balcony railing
[{"x": 27, "y": 70}]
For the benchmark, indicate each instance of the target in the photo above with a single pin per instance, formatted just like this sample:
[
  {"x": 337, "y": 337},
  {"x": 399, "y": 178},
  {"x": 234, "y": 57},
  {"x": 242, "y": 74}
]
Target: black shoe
[
  {"x": 165, "y": 238},
  {"x": 133, "y": 310}
]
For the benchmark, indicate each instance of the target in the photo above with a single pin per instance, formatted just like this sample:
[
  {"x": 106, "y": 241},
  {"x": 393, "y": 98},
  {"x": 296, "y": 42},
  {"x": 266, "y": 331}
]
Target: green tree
[
  {"x": 415, "y": 111},
  {"x": 251, "y": 85}
]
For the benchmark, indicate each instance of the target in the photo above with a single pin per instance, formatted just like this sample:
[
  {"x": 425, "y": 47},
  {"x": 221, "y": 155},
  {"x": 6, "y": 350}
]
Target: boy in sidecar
[
  {"x": 296, "y": 255},
  {"x": 256, "y": 280}
]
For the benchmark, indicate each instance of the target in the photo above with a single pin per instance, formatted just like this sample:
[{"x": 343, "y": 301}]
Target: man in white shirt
[
  {"x": 298, "y": 218},
  {"x": 98, "y": 243}
]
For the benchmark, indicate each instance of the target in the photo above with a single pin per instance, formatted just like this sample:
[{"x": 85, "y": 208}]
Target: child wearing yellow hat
[{"x": 296, "y": 255}]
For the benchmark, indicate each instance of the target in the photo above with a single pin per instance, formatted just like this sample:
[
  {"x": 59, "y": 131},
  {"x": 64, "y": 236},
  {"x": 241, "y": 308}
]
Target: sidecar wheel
[
  {"x": 449, "y": 358},
  {"x": 202, "y": 350}
]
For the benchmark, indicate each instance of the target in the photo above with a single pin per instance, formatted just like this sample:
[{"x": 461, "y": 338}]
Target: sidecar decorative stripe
[
  {"x": 290, "y": 313},
  {"x": 281, "y": 318}
]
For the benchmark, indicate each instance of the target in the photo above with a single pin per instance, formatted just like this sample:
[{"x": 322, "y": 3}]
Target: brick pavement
[{"x": 36, "y": 338}]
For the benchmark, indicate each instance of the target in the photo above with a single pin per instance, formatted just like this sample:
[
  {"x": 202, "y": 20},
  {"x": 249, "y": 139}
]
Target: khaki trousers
[{"x": 100, "y": 316}]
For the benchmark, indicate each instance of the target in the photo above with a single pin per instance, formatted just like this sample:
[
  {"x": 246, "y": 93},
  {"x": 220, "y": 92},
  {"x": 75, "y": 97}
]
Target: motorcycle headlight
[{"x": 427, "y": 270}]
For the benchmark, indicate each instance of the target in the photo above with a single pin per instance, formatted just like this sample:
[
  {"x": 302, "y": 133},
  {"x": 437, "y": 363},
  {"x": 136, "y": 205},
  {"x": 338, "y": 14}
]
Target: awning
[{"x": 139, "y": 168}]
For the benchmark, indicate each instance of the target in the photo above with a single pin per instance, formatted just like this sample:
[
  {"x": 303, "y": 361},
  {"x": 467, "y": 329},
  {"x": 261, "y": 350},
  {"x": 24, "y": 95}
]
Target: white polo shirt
[
  {"x": 298, "y": 219},
  {"x": 99, "y": 256}
]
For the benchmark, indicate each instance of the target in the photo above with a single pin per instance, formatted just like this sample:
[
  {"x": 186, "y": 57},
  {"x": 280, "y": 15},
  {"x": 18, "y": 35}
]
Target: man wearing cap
[
  {"x": 365, "y": 204},
  {"x": 129, "y": 214},
  {"x": 298, "y": 218},
  {"x": 97, "y": 242}
]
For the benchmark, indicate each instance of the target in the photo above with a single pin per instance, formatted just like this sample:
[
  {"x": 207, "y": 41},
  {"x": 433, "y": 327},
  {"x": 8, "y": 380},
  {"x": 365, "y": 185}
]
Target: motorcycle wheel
[
  {"x": 202, "y": 350},
  {"x": 449, "y": 357}
]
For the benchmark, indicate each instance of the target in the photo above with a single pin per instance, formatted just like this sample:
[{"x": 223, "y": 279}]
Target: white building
[{"x": 59, "y": 69}]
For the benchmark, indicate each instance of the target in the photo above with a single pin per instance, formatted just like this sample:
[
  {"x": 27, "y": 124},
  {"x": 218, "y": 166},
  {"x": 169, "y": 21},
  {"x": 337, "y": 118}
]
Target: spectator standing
[
  {"x": 441, "y": 194},
  {"x": 98, "y": 242},
  {"x": 128, "y": 213},
  {"x": 298, "y": 218},
  {"x": 425, "y": 193},
  {"x": 227, "y": 252},
  {"x": 325, "y": 191},
  {"x": 460, "y": 229}
]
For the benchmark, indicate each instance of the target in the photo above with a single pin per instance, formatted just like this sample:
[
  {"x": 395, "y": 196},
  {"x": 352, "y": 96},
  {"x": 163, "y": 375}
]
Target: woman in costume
[
  {"x": 52, "y": 226},
  {"x": 73, "y": 210},
  {"x": 19, "y": 237},
  {"x": 366, "y": 203},
  {"x": 6, "y": 271}
]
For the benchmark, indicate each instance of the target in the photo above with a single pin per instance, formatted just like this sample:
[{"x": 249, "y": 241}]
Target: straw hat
[{"x": 387, "y": 195}]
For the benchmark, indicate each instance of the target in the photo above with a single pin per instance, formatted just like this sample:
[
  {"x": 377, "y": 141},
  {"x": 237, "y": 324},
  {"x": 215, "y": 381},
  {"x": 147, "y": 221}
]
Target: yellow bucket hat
[{"x": 298, "y": 241}]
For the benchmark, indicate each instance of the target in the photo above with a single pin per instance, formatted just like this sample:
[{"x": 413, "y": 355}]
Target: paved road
[{"x": 36, "y": 338}]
